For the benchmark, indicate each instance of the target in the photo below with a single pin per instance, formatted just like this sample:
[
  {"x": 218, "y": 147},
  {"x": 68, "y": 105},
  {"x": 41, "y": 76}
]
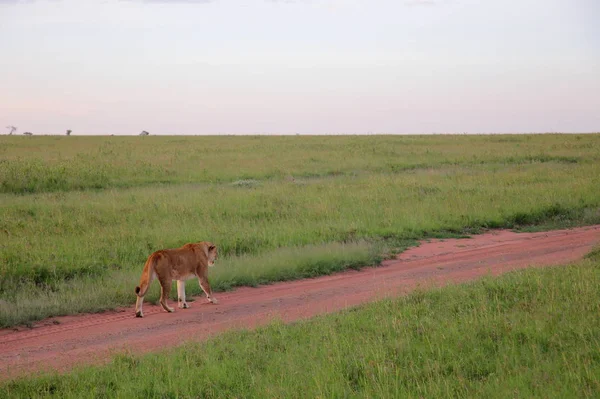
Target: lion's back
[{"x": 180, "y": 263}]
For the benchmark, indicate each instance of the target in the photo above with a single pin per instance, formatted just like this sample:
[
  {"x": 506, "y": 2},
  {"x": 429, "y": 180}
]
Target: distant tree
[
  {"x": 68, "y": 132},
  {"x": 12, "y": 129},
  {"x": 28, "y": 134},
  {"x": 144, "y": 133}
]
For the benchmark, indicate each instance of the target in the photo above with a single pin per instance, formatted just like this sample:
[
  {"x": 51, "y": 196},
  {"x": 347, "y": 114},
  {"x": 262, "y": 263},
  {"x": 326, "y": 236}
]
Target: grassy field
[
  {"x": 79, "y": 215},
  {"x": 528, "y": 334},
  {"x": 57, "y": 163}
]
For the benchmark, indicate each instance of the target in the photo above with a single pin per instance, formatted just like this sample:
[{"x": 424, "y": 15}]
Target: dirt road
[{"x": 63, "y": 342}]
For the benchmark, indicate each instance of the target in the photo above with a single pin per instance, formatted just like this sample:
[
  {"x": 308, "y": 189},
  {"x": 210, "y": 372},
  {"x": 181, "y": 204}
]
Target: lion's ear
[{"x": 211, "y": 247}]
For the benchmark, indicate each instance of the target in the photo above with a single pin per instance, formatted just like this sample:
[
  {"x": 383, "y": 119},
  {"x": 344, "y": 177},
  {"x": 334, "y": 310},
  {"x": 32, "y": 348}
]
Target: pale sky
[{"x": 299, "y": 66}]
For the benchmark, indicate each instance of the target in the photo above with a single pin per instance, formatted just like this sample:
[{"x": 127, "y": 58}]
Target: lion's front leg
[
  {"x": 204, "y": 284},
  {"x": 181, "y": 295}
]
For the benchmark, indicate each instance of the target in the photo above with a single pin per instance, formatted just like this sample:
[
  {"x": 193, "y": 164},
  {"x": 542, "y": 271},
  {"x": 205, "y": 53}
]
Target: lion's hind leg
[
  {"x": 141, "y": 290},
  {"x": 165, "y": 288},
  {"x": 138, "y": 306}
]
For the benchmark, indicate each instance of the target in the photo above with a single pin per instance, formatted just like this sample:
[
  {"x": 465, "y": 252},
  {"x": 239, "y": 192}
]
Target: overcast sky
[{"x": 294, "y": 66}]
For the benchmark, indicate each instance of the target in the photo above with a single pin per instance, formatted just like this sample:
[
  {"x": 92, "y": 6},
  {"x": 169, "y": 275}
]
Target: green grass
[
  {"x": 532, "y": 333},
  {"x": 75, "y": 211},
  {"x": 53, "y": 163}
]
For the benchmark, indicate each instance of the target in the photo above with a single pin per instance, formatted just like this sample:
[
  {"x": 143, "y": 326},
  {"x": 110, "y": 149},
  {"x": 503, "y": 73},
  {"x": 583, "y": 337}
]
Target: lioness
[{"x": 180, "y": 264}]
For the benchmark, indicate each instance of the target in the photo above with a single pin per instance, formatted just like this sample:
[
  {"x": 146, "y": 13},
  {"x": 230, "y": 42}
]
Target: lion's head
[{"x": 212, "y": 254}]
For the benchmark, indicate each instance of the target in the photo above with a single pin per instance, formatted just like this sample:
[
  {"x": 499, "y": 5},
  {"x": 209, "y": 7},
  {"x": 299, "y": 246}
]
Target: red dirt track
[{"x": 64, "y": 342}]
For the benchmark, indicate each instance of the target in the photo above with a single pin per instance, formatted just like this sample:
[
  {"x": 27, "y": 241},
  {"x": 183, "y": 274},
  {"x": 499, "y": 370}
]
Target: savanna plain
[{"x": 79, "y": 216}]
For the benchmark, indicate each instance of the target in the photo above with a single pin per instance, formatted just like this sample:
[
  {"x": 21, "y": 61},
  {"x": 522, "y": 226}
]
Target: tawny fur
[{"x": 188, "y": 261}]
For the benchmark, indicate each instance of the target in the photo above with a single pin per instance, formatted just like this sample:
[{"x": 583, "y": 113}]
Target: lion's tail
[{"x": 147, "y": 274}]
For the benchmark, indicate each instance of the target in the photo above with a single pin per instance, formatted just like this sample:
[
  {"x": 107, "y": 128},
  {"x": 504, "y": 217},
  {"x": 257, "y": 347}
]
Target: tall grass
[
  {"x": 256, "y": 196},
  {"x": 531, "y": 333},
  {"x": 69, "y": 234},
  {"x": 49, "y": 164}
]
